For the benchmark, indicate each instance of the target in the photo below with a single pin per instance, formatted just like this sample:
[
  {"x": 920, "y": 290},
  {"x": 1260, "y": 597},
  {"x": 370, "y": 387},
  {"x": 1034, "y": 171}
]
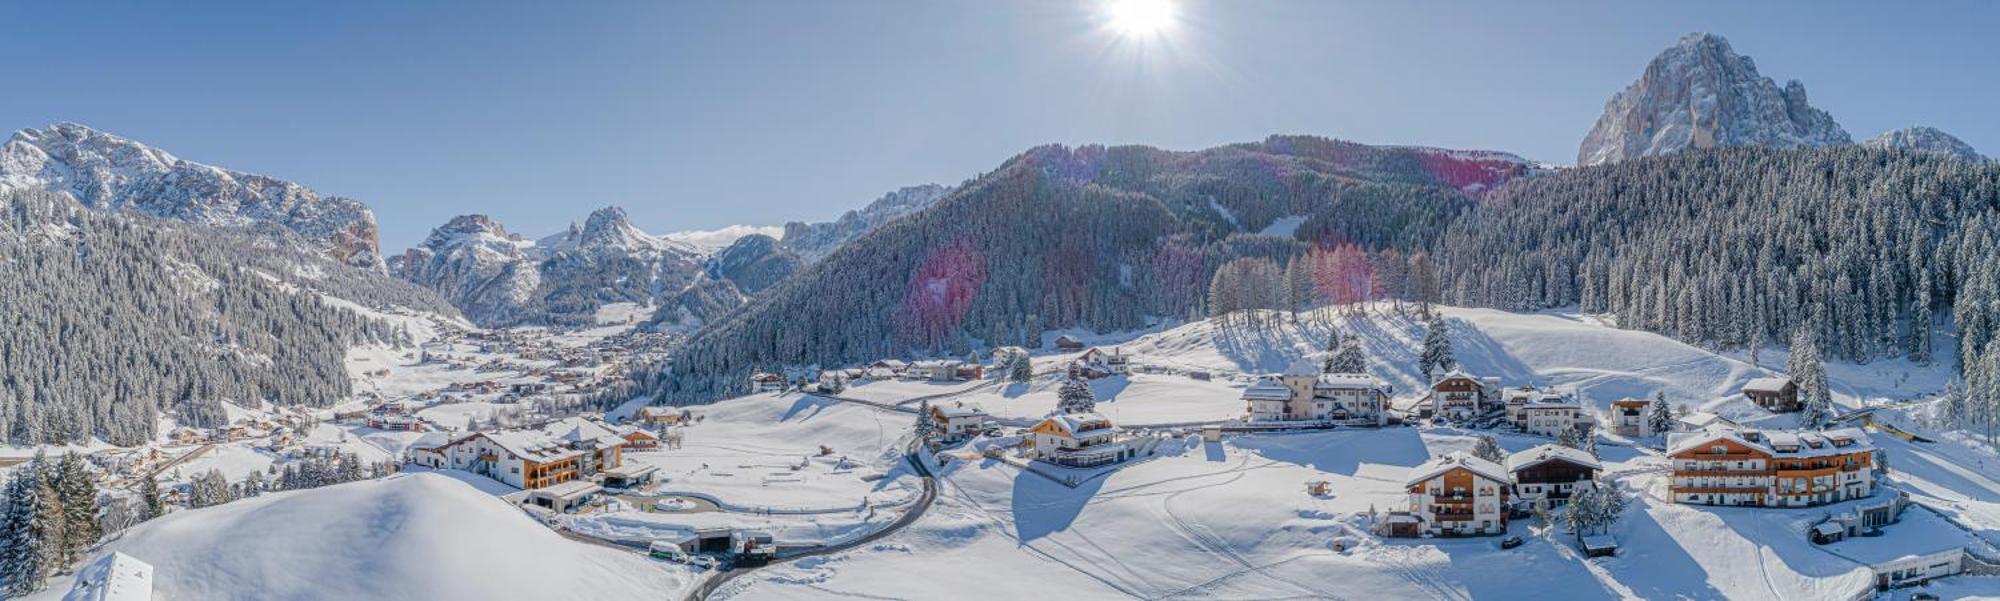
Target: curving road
[{"x": 715, "y": 583}]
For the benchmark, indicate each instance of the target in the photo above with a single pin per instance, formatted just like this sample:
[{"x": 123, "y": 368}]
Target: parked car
[
  {"x": 1510, "y": 542},
  {"x": 1924, "y": 597}
]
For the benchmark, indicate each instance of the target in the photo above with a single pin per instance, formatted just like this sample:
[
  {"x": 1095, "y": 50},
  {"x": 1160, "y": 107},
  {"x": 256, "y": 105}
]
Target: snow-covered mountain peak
[
  {"x": 466, "y": 228},
  {"x": 609, "y": 229},
  {"x": 1701, "y": 94},
  {"x": 1925, "y": 139},
  {"x": 106, "y": 171}
]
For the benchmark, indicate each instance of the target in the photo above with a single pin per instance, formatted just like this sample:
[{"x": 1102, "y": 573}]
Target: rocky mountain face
[
  {"x": 476, "y": 265},
  {"x": 1702, "y": 94},
  {"x": 813, "y": 241},
  {"x": 498, "y": 278},
  {"x": 104, "y": 171},
  {"x": 1925, "y": 139},
  {"x": 753, "y": 263}
]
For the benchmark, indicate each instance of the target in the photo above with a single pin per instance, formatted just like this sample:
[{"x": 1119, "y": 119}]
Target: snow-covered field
[
  {"x": 743, "y": 452},
  {"x": 411, "y": 536}
]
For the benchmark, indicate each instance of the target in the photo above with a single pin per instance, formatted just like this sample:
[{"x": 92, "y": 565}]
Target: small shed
[
  {"x": 629, "y": 475},
  {"x": 1068, "y": 343},
  {"x": 564, "y": 497},
  {"x": 1211, "y": 433},
  {"x": 1600, "y": 545}
]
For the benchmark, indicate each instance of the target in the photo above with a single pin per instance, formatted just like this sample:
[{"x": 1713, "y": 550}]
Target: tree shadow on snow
[
  {"x": 1341, "y": 452},
  {"x": 806, "y": 403},
  {"x": 1042, "y": 507}
]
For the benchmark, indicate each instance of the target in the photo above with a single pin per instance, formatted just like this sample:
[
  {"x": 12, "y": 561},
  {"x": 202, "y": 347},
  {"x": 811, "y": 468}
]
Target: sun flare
[{"x": 1140, "y": 17}]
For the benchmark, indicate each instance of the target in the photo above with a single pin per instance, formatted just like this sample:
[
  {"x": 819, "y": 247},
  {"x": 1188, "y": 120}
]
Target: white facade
[
  {"x": 1918, "y": 568},
  {"x": 1551, "y": 415},
  {"x": 960, "y": 421}
]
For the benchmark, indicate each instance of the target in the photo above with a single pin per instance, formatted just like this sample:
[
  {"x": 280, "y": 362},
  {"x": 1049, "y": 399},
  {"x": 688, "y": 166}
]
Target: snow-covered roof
[
  {"x": 1684, "y": 441},
  {"x": 531, "y": 445},
  {"x": 1437, "y": 466},
  {"x": 1549, "y": 452},
  {"x": 891, "y": 363},
  {"x": 1828, "y": 528},
  {"x": 1267, "y": 389},
  {"x": 1777, "y": 443},
  {"x": 114, "y": 577},
  {"x": 1459, "y": 372},
  {"x": 577, "y": 430},
  {"x": 1702, "y": 420},
  {"x": 1550, "y": 400},
  {"x": 964, "y": 410},
  {"x": 1351, "y": 382},
  {"x": 1083, "y": 425},
  {"x": 1772, "y": 385},
  {"x": 1600, "y": 541},
  {"x": 569, "y": 490},
  {"x": 939, "y": 364}
]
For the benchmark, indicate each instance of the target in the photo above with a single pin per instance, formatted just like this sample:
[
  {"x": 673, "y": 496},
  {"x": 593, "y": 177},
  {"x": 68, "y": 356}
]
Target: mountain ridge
[{"x": 105, "y": 171}]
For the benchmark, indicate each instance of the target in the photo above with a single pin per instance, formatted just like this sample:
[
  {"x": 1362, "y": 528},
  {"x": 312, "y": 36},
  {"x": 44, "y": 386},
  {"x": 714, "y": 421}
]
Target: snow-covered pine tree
[
  {"x": 1489, "y": 449},
  {"x": 1588, "y": 442},
  {"x": 1809, "y": 374},
  {"x": 1980, "y": 401},
  {"x": 1020, "y": 368},
  {"x": 926, "y": 427},
  {"x": 253, "y": 484},
  {"x": 1568, "y": 438},
  {"x": 1659, "y": 415},
  {"x": 1436, "y": 355},
  {"x": 1581, "y": 512},
  {"x": 1076, "y": 397},
  {"x": 30, "y": 531},
  {"x": 1334, "y": 342},
  {"x": 1611, "y": 504},
  {"x": 149, "y": 494},
  {"x": 1349, "y": 359},
  {"x": 76, "y": 492}
]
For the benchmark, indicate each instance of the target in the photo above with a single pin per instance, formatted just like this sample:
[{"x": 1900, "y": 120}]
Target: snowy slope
[
  {"x": 414, "y": 536},
  {"x": 710, "y": 241}
]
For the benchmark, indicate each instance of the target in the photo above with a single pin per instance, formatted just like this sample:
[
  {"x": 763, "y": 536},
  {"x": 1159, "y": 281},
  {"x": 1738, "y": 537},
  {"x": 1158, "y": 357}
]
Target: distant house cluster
[
  {"x": 1460, "y": 395},
  {"x": 1303, "y": 393}
]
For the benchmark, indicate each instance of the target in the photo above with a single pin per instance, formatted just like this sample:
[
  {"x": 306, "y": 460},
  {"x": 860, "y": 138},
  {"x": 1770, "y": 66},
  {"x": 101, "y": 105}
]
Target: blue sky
[{"x": 703, "y": 114}]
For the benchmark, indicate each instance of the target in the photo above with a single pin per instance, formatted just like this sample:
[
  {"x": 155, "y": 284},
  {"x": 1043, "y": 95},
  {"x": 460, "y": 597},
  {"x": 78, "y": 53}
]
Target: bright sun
[{"x": 1140, "y": 17}]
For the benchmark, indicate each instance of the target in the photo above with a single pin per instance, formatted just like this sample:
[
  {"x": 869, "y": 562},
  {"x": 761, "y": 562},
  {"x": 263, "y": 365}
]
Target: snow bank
[{"x": 413, "y": 536}]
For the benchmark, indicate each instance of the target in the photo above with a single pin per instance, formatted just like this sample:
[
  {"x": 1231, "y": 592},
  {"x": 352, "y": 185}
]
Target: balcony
[{"x": 1723, "y": 473}]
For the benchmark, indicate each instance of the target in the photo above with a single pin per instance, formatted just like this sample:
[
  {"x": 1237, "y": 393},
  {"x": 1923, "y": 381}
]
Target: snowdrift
[{"x": 411, "y": 536}]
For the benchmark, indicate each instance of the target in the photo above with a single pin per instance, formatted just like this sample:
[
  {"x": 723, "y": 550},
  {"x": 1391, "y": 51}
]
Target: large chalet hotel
[{"x": 1763, "y": 468}]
